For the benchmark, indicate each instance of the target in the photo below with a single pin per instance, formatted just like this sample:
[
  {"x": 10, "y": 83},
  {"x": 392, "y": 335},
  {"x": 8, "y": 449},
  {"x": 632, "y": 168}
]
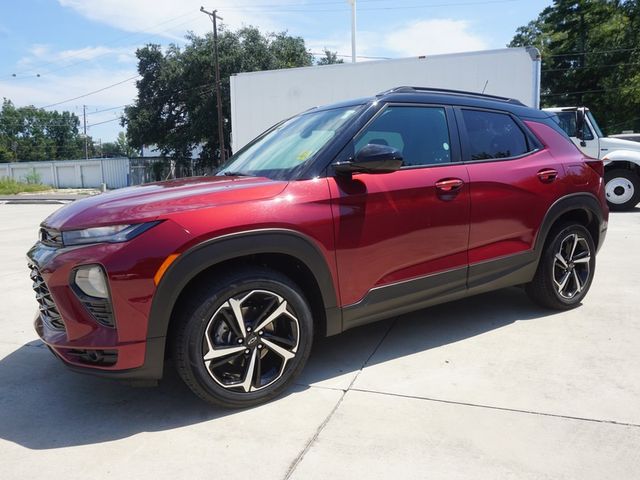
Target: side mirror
[{"x": 372, "y": 158}]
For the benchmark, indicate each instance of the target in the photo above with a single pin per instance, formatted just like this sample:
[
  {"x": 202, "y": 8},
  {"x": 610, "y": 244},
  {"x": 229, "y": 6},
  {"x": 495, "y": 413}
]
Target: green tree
[
  {"x": 29, "y": 133},
  {"x": 176, "y": 104},
  {"x": 125, "y": 147},
  {"x": 329, "y": 58},
  {"x": 590, "y": 56},
  {"x": 119, "y": 148}
]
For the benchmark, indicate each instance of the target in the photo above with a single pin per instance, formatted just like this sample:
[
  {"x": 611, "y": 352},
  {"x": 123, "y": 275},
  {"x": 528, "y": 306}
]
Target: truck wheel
[
  {"x": 242, "y": 337},
  {"x": 566, "y": 268},
  {"x": 622, "y": 188}
]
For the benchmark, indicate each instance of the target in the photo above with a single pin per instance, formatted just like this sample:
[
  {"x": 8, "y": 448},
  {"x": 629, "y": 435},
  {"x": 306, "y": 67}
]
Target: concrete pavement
[{"x": 487, "y": 387}]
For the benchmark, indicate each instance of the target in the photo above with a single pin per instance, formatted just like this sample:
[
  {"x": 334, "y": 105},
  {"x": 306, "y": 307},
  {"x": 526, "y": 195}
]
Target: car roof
[{"x": 445, "y": 97}]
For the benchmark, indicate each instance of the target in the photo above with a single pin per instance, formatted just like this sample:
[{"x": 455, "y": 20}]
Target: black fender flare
[
  {"x": 586, "y": 202},
  {"x": 236, "y": 245}
]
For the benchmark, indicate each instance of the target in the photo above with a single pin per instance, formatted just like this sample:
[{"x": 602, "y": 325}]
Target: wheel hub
[{"x": 619, "y": 190}]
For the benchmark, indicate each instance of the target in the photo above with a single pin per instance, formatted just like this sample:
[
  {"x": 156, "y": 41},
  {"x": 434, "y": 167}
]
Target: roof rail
[{"x": 406, "y": 89}]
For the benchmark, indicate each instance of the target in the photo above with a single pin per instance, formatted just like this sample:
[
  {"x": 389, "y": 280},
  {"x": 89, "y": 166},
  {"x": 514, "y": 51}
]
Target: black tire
[
  {"x": 546, "y": 287},
  {"x": 209, "y": 310},
  {"x": 624, "y": 193}
]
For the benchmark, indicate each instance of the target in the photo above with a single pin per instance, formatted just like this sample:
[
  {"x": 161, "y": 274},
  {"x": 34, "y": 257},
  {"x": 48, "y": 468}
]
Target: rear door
[
  {"x": 513, "y": 182},
  {"x": 396, "y": 228}
]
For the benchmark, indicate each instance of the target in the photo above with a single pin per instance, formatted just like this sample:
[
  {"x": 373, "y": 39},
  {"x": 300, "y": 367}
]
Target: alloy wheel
[
  {"x": 571, "y": 266},
  {"x": 249, "y": 340}
]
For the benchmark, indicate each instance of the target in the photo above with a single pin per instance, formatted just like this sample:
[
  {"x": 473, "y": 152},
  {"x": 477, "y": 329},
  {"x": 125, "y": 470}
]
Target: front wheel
[
  {"x": 566, "y": 268},
  {"x": 243, "y": 337},
  {"x": 622, "y": 188}
]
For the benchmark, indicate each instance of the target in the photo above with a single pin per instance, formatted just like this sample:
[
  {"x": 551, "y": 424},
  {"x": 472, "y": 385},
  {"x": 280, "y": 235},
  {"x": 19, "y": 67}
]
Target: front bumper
[
  {"x": 151, "y": 368},
  {"x": 77, "y": 338}
]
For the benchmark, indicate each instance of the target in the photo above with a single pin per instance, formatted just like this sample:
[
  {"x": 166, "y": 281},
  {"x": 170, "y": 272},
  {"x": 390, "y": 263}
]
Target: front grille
[
  {"x": 51, "y": 237},
  {"x": 48, "y": 310}
]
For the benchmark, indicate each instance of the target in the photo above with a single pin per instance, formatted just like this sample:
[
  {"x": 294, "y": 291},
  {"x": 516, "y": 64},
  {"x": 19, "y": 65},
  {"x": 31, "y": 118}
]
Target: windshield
[
  {"x": 290, "y": 145},
  {"x": 595, "y": 125}
]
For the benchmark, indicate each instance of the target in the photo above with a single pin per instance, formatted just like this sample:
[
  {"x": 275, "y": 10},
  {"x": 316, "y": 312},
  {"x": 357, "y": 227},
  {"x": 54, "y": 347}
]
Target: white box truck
[
  {"x": 262, "y": 99},
  {"x": 621, "y": 156}
]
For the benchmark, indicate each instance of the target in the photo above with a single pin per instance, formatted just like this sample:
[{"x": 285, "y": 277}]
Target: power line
[
  {"x": 275, "y": 8},
  {"x": 316, "y": 54},
  {"x": 439, "y": 5},
  {"x": 93, "y": 92},
  {"x": 89, "y": 125},
  {"x": 162, "y": 96},
  {"x": 593, "y": 52},
  {"x": 106, "y": 121},
  {"x": 43, "y": 125},
  {"x": 303, "y": 6},
  {"x": 587, "y": 66},
  {"x": 602, "y": 90},
  {"x": 107, "y": 109},
  {"x": 624, "y": 122},
  {"x": 17, "y": 122}
]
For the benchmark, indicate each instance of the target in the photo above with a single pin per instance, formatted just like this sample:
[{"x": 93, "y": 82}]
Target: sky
[{"x": 52, "y": 51}]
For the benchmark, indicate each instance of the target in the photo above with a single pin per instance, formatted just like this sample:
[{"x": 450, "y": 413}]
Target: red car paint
[{"x": 371, "y": 230}]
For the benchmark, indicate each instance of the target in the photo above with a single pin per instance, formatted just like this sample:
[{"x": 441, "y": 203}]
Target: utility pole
[
  {"x": 353, "y": 30},
  {"x": 216, "y": 65},
  {"x": 84, "y": 116}
]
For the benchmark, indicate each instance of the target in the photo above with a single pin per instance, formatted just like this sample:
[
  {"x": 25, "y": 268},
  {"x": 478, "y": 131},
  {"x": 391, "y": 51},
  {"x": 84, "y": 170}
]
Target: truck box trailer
[{"x": 262, "y": 99}]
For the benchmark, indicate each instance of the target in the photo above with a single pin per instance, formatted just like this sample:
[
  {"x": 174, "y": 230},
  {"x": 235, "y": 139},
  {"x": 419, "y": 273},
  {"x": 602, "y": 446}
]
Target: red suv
[{"x": 337, "y": 217}]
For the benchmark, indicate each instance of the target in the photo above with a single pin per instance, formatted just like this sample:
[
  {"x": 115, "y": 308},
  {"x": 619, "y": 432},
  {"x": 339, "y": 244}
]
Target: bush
[
  {"x": 33, "y": 177},
  {"x": 9, "y": 186}
]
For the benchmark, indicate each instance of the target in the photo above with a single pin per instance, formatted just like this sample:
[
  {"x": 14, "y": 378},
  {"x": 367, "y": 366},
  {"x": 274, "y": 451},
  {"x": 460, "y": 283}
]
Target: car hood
[
  {"x": 619, "y": 144},
  {"x": 156, "y": 200}
]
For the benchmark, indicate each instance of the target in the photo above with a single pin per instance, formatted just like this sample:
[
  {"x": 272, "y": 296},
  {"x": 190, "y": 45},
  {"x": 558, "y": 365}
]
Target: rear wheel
[
  {"x": 622, "y": 188},
  {"x": 243, "y": 337},
  {"x": 566, "y": 268}
]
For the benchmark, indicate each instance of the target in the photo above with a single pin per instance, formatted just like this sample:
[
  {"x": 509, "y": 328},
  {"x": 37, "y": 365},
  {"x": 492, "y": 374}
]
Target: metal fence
[
  {"x": 91, "y": 173},
  {"x": 155, "y": 169}
]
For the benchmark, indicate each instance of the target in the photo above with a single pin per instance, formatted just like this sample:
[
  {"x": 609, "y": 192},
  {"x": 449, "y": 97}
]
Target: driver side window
[
  {"x": 421, "y": 134},
  {"x": 568, "y": 121}
]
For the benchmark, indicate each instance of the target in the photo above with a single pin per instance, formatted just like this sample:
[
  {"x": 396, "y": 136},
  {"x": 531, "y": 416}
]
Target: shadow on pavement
[
  {"x": 632, "y": 210},
  {"x": 44, "y": 406}
]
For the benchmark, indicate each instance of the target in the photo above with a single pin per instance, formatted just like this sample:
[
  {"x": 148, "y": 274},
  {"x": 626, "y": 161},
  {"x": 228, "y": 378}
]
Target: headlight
[
  {"x": 110, "y": 234},
  {"x": 91, "y": 281}
]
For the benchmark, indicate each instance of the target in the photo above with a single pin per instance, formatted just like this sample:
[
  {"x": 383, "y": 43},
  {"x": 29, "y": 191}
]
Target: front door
[{"x": 402, "y": 234}]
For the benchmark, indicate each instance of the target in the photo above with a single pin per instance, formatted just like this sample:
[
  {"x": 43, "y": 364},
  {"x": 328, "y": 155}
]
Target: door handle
[
  {"x": 449, "y": 185},
  {"x": 547, "y": 175}
]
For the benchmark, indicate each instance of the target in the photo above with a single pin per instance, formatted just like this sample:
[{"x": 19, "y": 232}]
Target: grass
[{"x": 9, "y": 187}]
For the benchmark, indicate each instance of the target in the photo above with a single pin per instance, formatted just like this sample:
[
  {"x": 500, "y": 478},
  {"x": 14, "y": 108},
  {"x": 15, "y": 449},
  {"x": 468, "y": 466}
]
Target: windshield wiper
[{"x": 236, "y": 174}]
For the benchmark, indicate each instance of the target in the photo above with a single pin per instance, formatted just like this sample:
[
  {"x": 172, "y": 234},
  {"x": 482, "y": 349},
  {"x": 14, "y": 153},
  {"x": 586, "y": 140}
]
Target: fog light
[{"x": 91, "y": 281}]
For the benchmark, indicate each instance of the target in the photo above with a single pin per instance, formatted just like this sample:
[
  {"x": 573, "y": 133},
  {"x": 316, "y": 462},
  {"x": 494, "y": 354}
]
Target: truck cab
[{"x": 621, "y": 157}]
